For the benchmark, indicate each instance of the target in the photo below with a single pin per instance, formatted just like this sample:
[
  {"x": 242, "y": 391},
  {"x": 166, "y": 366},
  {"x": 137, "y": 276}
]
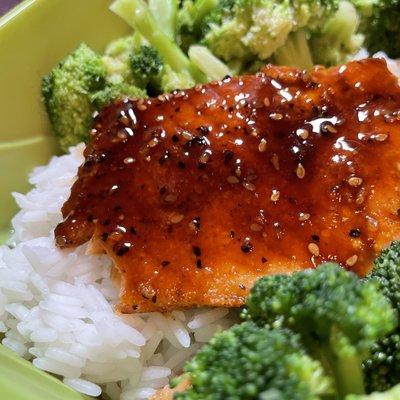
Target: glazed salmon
[{"x": 198, "y": 193}]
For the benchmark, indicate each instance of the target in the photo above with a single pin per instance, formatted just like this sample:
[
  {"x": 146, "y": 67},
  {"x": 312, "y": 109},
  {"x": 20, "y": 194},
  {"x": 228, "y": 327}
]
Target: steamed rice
[{"x": 56, "y": 306}]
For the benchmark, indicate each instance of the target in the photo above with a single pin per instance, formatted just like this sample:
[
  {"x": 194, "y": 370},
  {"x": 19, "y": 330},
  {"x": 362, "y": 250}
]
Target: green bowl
[{"x": 34, "y": 36}]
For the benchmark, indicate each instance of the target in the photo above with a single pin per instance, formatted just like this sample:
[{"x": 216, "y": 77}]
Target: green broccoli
[
  {"x": 145, "y": 65},
  {"x": 382, "y": 28},
  {"x": 337, "y": 315},
  {"x": 82, "y": 84},
  {"x": 113, "y": 92},
  {"x": 116, "y": 59},
  {"x": 338, "y": 39},
  {"x": 391, "y": 394},
  {"x": 250, "y": 362},
  {"x": 382, "y": 368},
  {"x": 67, "y": 94},
  {"x": 296, "y": 32},
  {"x": 138, "y": 15}
]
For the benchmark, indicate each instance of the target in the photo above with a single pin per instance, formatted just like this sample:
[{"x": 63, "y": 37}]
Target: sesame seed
[
  {"x": 360, "y": 197},
  {"x": 153, "y": 142},
  {"x": 198, "y": 87},
  {"x": 330, "y": 128},
  {"x": 381, "y": 137},
  {"x": 267, "y": 102},
  {"x": 175, "y": 218},
  {"x": 204, "y": 158},
  {"x": 275, "y": 195},
  {"x": 256, "y": 227},
  {"x": 124, "y": 120},
  {"x": 276, "y": 116},
  {"x": 304, "y": 217},
  {"x": 275, "y": 161},
  {"x": 187, "y": 135},
  {"x": 303, "y": 133},
  {"x": 355, "y": 181},
  {"x": 141, "y": 107},
  {"x": 262, "y": 146},
  {"x": 161, "y": 97},
  {"x": 249, "y": 186},
  {"x": 352, "y": 260},
  {"x": 300, "y": 171},
  {"x": 122, "y": 135},
  {"x": 129, "y": 160},
  {"x": 170, "y": 198},
  {"x": 232, "y": 179},
  {"x": 313, "y": 249}
]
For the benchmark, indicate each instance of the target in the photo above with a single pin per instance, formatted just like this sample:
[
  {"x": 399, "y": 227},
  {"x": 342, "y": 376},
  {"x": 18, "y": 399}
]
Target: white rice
[{"x": 56, "y": 307}]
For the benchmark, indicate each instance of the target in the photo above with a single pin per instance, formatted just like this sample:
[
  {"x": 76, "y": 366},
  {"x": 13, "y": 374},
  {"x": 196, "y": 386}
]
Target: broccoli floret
[
  {"x": 79, "y": 86},
  {"x": 382, "y": 28},
  {"x": 67, "y": 91},
  {"x": 338, "y": 316},
  {"x": 338, "y": 39},
  {"x": 116, "y": 59},
  {"x": 382, "y": 368},
  {"x": 391, "y": 394},
  {"x": 138, "y": 15},
  {"x": 171, "y": 80},
  {"x": 145, "y": 65},
  {"x": 250, "y": 362},
  {"x": 114, "y": 92}
]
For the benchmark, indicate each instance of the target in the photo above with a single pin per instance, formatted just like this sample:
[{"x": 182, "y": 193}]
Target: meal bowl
[{"x": 34, "y": 36}]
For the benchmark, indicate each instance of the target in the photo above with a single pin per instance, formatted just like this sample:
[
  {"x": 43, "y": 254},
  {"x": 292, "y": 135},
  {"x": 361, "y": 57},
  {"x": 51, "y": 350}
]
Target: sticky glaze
[{"x": 198, "y": 193}]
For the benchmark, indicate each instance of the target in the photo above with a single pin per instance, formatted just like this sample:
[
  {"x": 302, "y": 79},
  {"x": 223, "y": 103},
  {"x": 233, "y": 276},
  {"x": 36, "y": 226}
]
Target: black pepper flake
[
  {"x": 132, "y": 230},
  {"x": 263, "y": 260},
  {"x": 121, "y": 249},
  {"x": 228, "y": 156},
  {"x": 232, "y": 234},
  {"x": 90, "y": 218},
  {"x": 175, "y": 138},
  {"x": 398, "y": 212},
  {"x": 246, "y": 247},
  {"x": 196, "y": 251},
  {"x": 315, "y": 238},
  {"x": 164, "y": 158},
  {"x": 104, "y": 236},
  {"x": 177, "y": 109},
  {"x": 154, "y": 298},
  {"x": 205, "y": 130},
  {"x": 196, "y": 223},
  {"x": 199, "y": 264},
  {"x": 181, "y": 164},
  {"x": 163, "y": 190},
  {"x": 241, "y": 286},
  {"x": 106, "y": 222},
  {"x": 355, "y": 233},
  {"x": 165, "y": 263},
  {"x": 117, "y": 208}
]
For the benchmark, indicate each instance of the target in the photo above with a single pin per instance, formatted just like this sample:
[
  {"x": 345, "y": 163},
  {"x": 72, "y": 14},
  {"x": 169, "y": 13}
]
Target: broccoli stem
[
  {"x": 137, "y": 14},
  {"x": 346, "y": 371},
  {"x": 212, "y": 66},
  {"x": 344, "y": 24},
  {"x": 164, "y": 12},
  {"x": 295, "y": 52}
]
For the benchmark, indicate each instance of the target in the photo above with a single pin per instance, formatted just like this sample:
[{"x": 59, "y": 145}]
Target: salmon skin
[{"x": 197, "y": 194}]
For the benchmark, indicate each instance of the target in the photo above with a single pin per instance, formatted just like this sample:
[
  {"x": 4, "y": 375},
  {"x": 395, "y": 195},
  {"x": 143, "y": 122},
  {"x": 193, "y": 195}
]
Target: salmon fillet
[{"x": 198, "y": 193}]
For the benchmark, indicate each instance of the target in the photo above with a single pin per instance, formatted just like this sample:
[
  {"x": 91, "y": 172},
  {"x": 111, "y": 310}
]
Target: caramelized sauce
[{"x": 198, "y": 193}]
